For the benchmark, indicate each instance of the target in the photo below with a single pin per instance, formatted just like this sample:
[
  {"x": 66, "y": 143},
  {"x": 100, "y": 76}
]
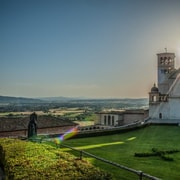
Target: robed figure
[{"x": 32, "y": 126}]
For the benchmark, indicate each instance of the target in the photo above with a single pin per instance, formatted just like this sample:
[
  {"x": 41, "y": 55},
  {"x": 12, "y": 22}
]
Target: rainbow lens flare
[{"x": 70, "y": 133}]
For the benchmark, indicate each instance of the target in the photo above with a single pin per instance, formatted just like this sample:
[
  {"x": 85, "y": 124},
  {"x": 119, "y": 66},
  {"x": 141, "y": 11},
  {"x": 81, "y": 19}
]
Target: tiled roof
[{"x": 21, "y": 123}]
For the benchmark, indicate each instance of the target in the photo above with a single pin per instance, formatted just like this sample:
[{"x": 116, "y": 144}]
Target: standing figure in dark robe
[{"x": 32, "y": 126}]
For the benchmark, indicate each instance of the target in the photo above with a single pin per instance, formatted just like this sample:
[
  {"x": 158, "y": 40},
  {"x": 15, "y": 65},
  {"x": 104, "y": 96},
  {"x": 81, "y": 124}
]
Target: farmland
[
  {"x": 81, "y": 116},
  {"x": 81, "y": 111}
]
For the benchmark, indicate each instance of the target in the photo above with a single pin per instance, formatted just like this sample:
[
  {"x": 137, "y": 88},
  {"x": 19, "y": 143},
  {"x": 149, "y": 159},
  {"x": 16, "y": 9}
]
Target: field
[
  {"x": 55, "y": 112},
  {"x": 120, "y": 148},
  {"x": 79, "y": 115}
]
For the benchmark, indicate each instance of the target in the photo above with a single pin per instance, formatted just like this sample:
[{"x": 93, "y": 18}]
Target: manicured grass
[{"x": 120, "y": 148}]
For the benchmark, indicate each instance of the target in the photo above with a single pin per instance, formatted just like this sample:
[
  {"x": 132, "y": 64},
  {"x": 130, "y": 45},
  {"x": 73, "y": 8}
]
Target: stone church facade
[{"x": 164, "y": 99}]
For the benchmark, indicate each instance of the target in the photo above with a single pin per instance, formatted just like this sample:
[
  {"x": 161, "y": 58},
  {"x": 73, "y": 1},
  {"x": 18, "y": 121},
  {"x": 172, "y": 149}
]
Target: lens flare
[{"x": 70, "y": 133}]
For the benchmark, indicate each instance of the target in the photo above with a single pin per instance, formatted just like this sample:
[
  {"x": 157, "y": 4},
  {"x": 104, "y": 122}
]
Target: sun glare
[
  {"x": 130, "y": 139},
  {"x": 98, "y": 145}
]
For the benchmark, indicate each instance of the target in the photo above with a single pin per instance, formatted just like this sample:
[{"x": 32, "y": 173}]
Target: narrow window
[
  {"x": 160, "y": 115},
  {"x": 113, "y": 120},
  {"x": 154, "y": 99},
  {"x": 109, "y": 120},
  {"x": 104, "y": 120}
]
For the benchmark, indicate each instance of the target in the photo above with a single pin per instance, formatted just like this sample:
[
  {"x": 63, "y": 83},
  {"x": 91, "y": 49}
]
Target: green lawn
[{"x": 120, "y": 148}]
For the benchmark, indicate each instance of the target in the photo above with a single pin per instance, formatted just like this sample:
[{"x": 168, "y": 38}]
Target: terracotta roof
[{"x": 21, "y": 123}]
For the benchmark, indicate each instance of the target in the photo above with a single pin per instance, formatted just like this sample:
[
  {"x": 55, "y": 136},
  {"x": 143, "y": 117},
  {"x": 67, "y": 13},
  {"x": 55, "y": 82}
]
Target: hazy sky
[{"x": 87, "y": 48}]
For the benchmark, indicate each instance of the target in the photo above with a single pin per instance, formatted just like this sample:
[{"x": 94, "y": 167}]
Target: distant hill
[
  {"x": 23, "y": 100},
  {"x": 60, "y": 99},
  {"x": 101, "y": 102},
  {"x": 124, "y": 103},
  {"x": 18, "y": 100}
]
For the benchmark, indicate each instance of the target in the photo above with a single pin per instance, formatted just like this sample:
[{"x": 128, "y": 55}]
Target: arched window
[
  {"x": 161, "y": 60},
  {"x": 109, "y": 120},
  {"x": 105, "y": 120},
  {"x": 112, "y": 120},
  {"x": 160, "y": 115},
  {"x": 154, "y": 98}
]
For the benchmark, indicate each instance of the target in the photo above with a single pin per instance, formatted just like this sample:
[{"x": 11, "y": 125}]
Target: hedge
[
  {"x": 28, "y": 160},
  {"x": 155, "y": 152}
]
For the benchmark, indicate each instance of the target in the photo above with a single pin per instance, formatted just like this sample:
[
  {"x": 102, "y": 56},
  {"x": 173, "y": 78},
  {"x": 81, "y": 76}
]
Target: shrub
[
  {"x": 156, "y": 152},
  {"x": 144, "y": 154},
  {"x": 28, "y": 160},
  {"x": 167, "y": 158}
]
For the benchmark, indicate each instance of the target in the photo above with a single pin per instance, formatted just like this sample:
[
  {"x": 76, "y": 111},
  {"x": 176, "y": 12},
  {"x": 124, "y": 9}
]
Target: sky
[{"x": 85, "y": 48}]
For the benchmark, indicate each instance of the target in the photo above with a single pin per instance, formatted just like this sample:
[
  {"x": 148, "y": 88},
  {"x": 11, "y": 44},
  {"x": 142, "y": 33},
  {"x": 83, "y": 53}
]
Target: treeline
[
  {"x": 96, "y": 105},
  {"x": 45, "y": 107}
]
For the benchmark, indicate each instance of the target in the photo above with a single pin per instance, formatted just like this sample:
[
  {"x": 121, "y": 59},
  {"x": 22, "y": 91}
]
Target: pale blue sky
[{"x": 87, "y": 48}]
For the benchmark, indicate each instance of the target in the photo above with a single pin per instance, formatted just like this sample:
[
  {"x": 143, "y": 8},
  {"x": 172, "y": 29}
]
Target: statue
[{"x": 32, "y": 126}]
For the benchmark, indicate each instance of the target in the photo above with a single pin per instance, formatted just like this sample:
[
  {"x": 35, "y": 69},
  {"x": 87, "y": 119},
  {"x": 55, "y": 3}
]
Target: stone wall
[
  {"x": 54, "y": 130},
  {"x": 49, "y": 131},
  {"x": 131, "y": 118},
  {"x": 13, "y": 133}
]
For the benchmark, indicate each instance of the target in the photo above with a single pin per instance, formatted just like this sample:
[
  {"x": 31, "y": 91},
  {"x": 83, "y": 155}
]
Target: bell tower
[
  {"x": 164, "y": 99},
  {"x": 166, "y": 65},
  {"x": 154, "y": 95}
]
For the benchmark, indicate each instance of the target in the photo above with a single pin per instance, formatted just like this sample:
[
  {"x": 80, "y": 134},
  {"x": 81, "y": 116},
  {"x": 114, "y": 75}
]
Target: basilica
[{"x": 164, "y": 98}]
